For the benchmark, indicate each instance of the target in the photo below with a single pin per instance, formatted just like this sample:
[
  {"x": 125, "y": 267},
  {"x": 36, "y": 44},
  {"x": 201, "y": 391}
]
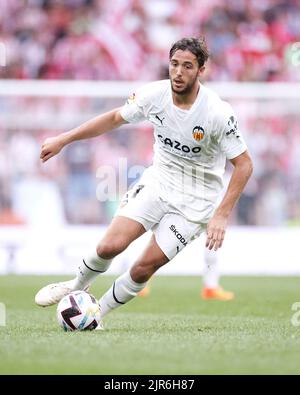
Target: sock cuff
[
  {"x": 133, "y": 285},
  {"x": 97, "y": 264}
]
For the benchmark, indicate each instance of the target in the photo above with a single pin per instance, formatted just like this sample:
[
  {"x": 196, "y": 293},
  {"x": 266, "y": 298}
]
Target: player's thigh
[
  {"x": 120, "y": 233},
  {"x": 174, "y": 232},
  {"x": 142, "y": 204}
]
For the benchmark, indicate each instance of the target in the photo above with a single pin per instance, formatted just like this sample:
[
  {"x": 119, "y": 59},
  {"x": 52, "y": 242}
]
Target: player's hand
[
  {"x": 216, "y": 232},
  {"x": 51, "y": 147}
]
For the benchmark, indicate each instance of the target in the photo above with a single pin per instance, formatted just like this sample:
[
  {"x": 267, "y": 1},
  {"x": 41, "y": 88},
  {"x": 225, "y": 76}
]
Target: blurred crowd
[
  {"x": 130, "y": 40},
  {"x": 249, "y": 40}
]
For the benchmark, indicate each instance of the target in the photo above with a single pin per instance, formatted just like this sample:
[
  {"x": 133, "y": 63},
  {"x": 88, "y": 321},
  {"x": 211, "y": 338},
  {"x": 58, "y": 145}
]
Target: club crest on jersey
[
  {"x": 131, "y": 98},
  {"x": 198, "y": 133}
]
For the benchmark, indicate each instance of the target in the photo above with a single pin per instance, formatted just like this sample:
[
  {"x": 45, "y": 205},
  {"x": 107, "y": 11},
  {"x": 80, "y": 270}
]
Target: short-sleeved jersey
[{"x": 191, "y": 146}]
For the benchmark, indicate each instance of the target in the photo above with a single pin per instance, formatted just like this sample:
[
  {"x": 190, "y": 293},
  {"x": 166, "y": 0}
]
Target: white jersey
[{"x": 191, "y": 146}]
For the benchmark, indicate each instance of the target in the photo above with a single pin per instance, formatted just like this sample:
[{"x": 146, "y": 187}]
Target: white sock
[
  {"x": 122, "y": 291},
  {"x": 210, "y": 270},
  {"x": 89, "y": 269}
]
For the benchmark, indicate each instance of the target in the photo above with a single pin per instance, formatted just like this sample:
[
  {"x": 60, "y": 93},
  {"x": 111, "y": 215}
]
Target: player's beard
[{"x": 187, "y": 89}]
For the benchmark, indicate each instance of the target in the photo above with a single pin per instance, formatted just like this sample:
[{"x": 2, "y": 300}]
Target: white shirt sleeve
[
  {"x": 230, "y": 138},
  {"x": 133, "y": 110}
]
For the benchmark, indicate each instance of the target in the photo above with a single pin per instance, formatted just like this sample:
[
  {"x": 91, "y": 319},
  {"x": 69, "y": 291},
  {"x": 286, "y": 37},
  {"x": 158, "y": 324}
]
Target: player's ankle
[{"x": 72, "y": 284}]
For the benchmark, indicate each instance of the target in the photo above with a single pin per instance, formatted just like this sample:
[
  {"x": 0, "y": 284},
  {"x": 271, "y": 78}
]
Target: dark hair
[{"x": 195, "y": 45}]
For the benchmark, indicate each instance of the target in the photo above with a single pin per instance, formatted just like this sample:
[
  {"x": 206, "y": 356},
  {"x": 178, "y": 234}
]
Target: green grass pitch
[{"x": 172, "y": 331}]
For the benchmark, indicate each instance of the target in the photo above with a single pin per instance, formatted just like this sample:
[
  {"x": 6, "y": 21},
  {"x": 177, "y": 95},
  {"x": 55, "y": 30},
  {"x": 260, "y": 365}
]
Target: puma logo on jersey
[
  {"x": 160, "y": 120},
  {"x": 178, "y": 235},
  {"x": 177, "y": 145}
]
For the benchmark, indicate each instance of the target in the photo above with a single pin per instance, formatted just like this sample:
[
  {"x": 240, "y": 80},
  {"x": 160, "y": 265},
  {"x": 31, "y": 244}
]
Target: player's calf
[{"x": 122, "y": 291}]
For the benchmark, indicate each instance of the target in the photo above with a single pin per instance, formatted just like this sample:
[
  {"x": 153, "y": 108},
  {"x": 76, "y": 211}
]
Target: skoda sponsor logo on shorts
[
  {"x": 176, "y": 145},
  {"x": 178, "y": 235}
]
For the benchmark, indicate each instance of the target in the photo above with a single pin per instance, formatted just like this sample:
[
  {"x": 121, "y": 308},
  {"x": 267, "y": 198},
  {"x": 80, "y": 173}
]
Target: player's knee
[
  {"x": 140, "y": 274},
  {"x": 108, "y": 249}
]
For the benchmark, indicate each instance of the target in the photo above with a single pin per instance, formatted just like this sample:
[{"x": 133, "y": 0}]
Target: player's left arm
[{"x": 216, "y": 227}]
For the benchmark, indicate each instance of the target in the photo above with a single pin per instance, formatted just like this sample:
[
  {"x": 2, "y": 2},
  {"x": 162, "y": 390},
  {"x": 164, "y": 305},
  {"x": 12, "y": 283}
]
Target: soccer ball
[{"x": 78, "y": 310}]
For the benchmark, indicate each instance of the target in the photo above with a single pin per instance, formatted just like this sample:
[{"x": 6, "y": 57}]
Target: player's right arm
[{"x": 92, "y": 128}]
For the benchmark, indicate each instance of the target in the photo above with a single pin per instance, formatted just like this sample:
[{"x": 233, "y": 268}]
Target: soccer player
[{"x": 195, "y": 131}]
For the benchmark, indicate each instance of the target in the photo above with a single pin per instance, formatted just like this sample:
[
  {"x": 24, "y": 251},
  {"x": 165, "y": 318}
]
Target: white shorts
[{"x": 171, "y": 229}]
